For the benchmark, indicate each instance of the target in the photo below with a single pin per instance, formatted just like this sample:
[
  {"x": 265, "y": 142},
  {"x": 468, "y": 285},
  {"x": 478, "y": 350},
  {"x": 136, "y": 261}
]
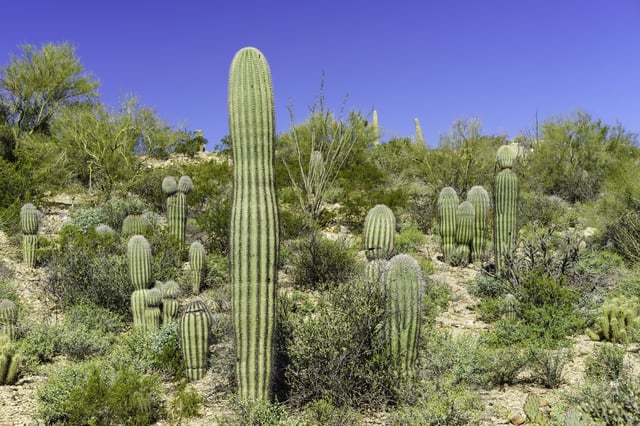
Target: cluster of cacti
[
  {"x": 532, "y": 410},
  {"x": 170, "y": 293},
  {"x": 177, "y": 204},
  {"x": 403, "y": 303},
  {"x": 379, "y": 232},
  {"x": 197, "y": 256},
  {"x": 505, "y": 205},
  {"x": 195, "y": 326},
  {"x": 29, "y": 222},
  {"x": 419, "y": 137},
  {"x": 135, "y": 224},
  {"x": 618, "y": 321},
  {"x": 8, "y": 318},
  {"x": 447, "y": 208},
  {"x": 254, "y": 230},
  {"x": 465, "y": 214},
  {"x": 9, "y": 362},
  {"x": 510, "y": 307},
  {"x": 479, "y": 198},
  {"x": 139, "y": 262}
]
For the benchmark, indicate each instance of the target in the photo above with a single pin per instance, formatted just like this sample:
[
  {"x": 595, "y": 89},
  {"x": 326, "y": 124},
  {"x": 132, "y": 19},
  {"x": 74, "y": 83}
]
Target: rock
[{"x": 517, "y": 419}]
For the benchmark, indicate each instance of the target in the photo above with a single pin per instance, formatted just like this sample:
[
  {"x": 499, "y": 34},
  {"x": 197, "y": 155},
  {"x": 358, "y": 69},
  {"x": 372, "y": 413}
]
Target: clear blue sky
[{"x": 498, "y": 60}]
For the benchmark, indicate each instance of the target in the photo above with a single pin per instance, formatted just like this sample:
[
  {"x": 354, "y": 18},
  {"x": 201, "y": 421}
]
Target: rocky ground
[{"x": 502, "y": 405}]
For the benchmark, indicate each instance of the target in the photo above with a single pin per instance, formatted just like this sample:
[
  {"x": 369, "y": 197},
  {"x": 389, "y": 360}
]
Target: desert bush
[
  {"x": 549, "y": 365},
  {"x": 608, "y": 402},
  {"x": 606, "y": 363},
  {"x": 488, "y": 286},
  {"x": 186, "y": 404},
  {"x": 112, "y": 213},
  {"x": 324, "y": 413},
  {"x": 409, "y": 241},
  {"x": 622, "y": 236},
  {"x": 166, "y": 356},
  {"x": 544, "y": 210}
]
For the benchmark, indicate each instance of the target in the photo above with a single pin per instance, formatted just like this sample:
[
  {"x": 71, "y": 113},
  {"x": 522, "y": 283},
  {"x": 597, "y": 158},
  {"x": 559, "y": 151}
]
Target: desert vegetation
[{"x": 320, "y": 276}]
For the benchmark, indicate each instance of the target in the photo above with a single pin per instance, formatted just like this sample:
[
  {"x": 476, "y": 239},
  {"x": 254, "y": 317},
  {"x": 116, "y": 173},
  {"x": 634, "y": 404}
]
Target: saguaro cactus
[
  {"x": 419, "y": 137},
  {"x": 465, "y": 215},
  {"x": 170, "y": 292},
  {"x": 139, "y": 262},
  {"x": 376, "y": 129},
  {"x": 254, "y": 231},
  {"x": 403, "y": 300},
  {"x": 505, "y": 205},
  {"x": 152, "y": 313},
  {"x": 29, "y": 222},
  {"x": 135, "y": 224},
  {"x": 195, "y": 324},
  {"x": 177, "y": 204},
  {"x": 447, "y": 207},
  {"x": 9, "y": 362},
  {"x": 8, "y": 319},
  {"x": 379, "y": 232},
  {"x": 197, "y": 256},
  {"x": 479, "y": 197}
]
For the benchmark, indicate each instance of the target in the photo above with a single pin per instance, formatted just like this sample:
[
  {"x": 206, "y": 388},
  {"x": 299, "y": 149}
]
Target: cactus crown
[
  {"x": 379, "y": 232},
  {"x": 185, "y": 184},
  {"x": 197, "y": 254},
  {"x": 29, "y": 219},
  {"x": 8, "y": 312},
  {"x": 505, "y": 157},
  {"x": 169, "y": 185},
  {"x": 153, "y": 297},
  {"x": 171, "y": 290}
]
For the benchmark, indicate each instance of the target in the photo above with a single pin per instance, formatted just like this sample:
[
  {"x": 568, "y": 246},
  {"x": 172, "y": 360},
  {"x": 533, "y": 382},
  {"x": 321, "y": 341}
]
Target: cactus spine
[
  {"x": 479, "y": 197},
  {"x": 465, "y": 215},
  {"x": 29, "y": 222},
  {"x": 8, "y": 319},
  {"x": 419, "y": 137},
  {"x": 505, "y": 205},
  {"x": 447, "y": 207},
  {"x": 379, "y": 232},
  {"x": 254, "y": 231},
  {"x": 170, "y": 293},
  {"x": 194, "y": 338},
  {"x": 403, "y": 301},
  {"x": 139, "y": 262},
  {"x": 197, "y": 255}
]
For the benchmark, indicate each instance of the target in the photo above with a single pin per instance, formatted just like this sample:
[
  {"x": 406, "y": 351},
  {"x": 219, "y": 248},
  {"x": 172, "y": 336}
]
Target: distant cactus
[
  {"x": 376, "y": 129},
  {"x": 9, "y": 362},
  {"x": 254, "y": 230},
  {"x": 419, "y": 137},
  {"x": 479, "y": 197},
  {"x": 464, "y": 233},
  {"x": 152, "y": 313},
  {"x": 8, "y": 319},
  {"x": 618, "y": 321},
  {"x": 379, "y": 232},
  {"x": 29, "y": 223},
  {"x": 403, "y": 300},
  {"x": 177, "y": 204},
  {"x": 197, "y": 256},
  {"x": 447, "y": 207},
  {"x": 510, "y": 307},
  {"x": 170, "y": 293},
  {"x": 135, "y": 224},
  {"x": 195, "y": 326},
  {"x": 505, "y": 206}
]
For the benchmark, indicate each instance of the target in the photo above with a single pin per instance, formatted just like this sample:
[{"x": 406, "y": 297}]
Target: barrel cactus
[
  {"x": 197, "y": 256},
  {"x": 29, "y": 222},
  {"x": 8, "y": 319},
  {"x": 479, "y": 197},
  {"x": 254, "y": 230},
  {"x": 447, "y": 207},
  {"x": 194, "y": 331},
  {"x": 403, "y": 300},
  {"x": 379, "y": 232},
  {"x": 505, "y": 206},
  {"x": 9, "y": 362},
  {"x": 170, "y": 293}
]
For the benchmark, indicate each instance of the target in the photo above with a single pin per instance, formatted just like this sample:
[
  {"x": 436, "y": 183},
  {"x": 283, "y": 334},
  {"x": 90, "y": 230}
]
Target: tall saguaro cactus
[
  {"x": 464, "y": 233},
  {"x": 139, "y": 262},
  {"x": 379, "y": 232},
  {"x": 177, "y": 204},
  {"x": 505, "y": 205},
  {"x": 479, "y": 198},
  {"x": 197, "y": 255},
  {"x": 376, "y": 129},
  {"x": 254, "y": 237},
  {"x": 447, "y": 207},
  {"x": 29, "y": 222},
  {"x": 403, "y": 301}
]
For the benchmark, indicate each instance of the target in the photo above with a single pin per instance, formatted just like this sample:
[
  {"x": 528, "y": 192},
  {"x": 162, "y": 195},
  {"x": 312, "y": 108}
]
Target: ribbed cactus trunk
[
  {"x": 139, "y": 262},
  {"x": 170, "y": 306},
  {"x": 29, "y": 222},
  {"x": 479, "y": 197},
  {"x": 152, "y": 312},
  {"x": 8, "y": 319},
  {"x": 403, "y": 301},
  {"x": 177, "y": 205},
  {"x": 447, "y": 207},
  {"x": 197, "y": 256},
  {"x": 376, "y": 129},
  {"x": 379, "y": 232},
  {"x": 135, "y": 224},
  {"x": 505, "y": 206},
  {"x": 419, "y": 136},
  {"x": 465, "y": 215},
  {"x": 195, "y": 324},
  {"x": 254, "y": 237}
]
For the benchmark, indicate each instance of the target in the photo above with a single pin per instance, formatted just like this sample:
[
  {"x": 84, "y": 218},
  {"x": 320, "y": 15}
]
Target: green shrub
[
  {"x": 409, "y": 241},
  {"x": 549, "y": 365},
  {"x": 488, "y": 286},
  {"x": 606, "y": 363},
  {"x": 186, "y": 404},
  {"x": 165, "y": 351},
  {"x": 542, "y": 209},
  {"x": 622, "y": 236},
  {"x": 260, "y": 413},
  {"x": 611, "y": 402},
  {"x": 324, "y": 413}
]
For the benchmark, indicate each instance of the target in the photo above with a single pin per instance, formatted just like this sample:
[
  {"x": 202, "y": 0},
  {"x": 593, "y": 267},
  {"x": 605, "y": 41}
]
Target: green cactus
[
  {"x": 618, "y": 321},
  {"x": 532, "y": 410},
  {"x": 195, "y": 326},
  {"x": 573, "y": 417},
  {"x": 9, "y": 362},
  {"x": 376, "y": 129},
  {"x": 379, "y": 232},
  {"x": 403, "y": 300},
  {"x": 479, "y": 197},
  {"x": 139, "y": 261},
  {"x": 419, "y": 137},
  {"x": 447, "y": 207},
  {"x": 138, "y": 306},
  {"x": 135, "y": 224},
  {"x": 170, "y": 306},
  {"x": 510, "y": 307},
  {"x": 197, "y": 255},
  {"x": 177, "y": 205},
  {"x": 29, "y": 222},
  {"x": 505, "y": 206},
  {"x": 465, "y": 219},
  {"x": 169, "y": 185},
  {"x": 8, "y": 319},
  {"x": 185, "y": 185},
  {"x": 254, "y": 231},
  {"x": 152, "y": 313}
]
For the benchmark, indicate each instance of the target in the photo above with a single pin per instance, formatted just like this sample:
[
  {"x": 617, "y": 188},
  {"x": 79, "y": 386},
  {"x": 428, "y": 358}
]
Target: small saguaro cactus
[
  {"x": 29, "y": 222},
  {"x": 152, "y": 313},
  {"x": 419, "y": 137},
  {"x": 9, "y": 362},
  {"x": 8, "y": 319},
  {"x": 139, "y": 262},
  {"x": 376, "y": 129},
  {"x": 618, "y": 320},
  {"x": 403, "y": 300},
  {"x": 505, "y": 205},
  {"x": 135, "y": 224},
  {"x": 447, "y": 207},
  {"x": 177, "y": 204},
  {"x": 464, "y": 233},
  {"x": 510, "y": 307},
  {"x": 479, "y": 197},
  {"x": 254, "y": 231},
  {"x": 195, "y": 326},
  {"x": 197, "y": 255},
  {"x": 170, "y": 293},
  {"x": 379, "y": 232}
]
